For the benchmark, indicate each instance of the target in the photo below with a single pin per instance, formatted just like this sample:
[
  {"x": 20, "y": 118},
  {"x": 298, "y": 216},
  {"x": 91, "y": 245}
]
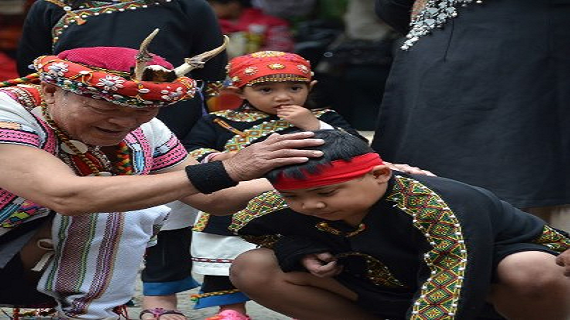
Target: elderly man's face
[{"x": 94, "y": 122}]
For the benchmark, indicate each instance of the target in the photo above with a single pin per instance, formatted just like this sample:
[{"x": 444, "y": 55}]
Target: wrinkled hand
[
  {"x": 300, "y": 117},
  {"x": 406, "y": 168},
  {"x": 321, "y": 265},
  {"x": 563, "y": 260},
  {"x": 277, "y": 150}
]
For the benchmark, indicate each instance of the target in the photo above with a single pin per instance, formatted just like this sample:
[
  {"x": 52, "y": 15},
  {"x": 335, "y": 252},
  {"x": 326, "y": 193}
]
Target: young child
[
  {"x": 275, "y": 86},
  {"x": 361, "y": 242}
]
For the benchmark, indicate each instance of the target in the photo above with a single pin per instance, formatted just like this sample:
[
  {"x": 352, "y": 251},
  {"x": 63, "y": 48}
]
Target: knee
[
  {"x": 534, "y": 275},
  {"x": 253, "y": 268}
]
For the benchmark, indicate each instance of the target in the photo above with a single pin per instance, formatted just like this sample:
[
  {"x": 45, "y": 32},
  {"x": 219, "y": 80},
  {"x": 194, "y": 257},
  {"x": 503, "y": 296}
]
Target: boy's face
[
  {"x": 269, "y": 96},
  {"x": 348, "y": 201}
]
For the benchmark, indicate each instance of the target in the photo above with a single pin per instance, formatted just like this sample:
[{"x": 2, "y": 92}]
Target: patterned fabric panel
[
  {"x": 254, "y": 133},
  {"x": 169, "y": 154},
  {"x": 553, "y": 239},
  {"x": 447, "y": 260},
  {"x": 201, "y": 223},
  {"x": 198, "y": 154},
  {"x": 261, "y": 205}
]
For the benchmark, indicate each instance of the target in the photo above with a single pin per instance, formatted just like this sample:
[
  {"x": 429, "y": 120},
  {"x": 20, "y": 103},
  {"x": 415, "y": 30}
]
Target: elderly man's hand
[
  {"x": 275, "y": 151},
  {"x": 563, "y": 260}
]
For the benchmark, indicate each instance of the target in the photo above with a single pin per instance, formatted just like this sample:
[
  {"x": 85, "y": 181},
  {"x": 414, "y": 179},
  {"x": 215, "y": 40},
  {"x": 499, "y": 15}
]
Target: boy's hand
[
  {"x": 321, "y": 265},
  {"x": 563, "y": 260},
  {"x": 300, "y": 117}
]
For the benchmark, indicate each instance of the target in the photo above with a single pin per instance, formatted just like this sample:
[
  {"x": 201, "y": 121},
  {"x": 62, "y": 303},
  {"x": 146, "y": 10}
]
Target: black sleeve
[
  {"x": 36, "y": 39},
  {"x": 203, "y": 138},
  {"x": 291, "y": 249},
  {"x": 396, "y": 13}
]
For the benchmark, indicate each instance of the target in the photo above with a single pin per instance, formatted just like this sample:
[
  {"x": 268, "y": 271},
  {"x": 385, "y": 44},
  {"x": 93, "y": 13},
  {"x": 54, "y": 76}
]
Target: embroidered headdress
[
  {"x": 123, "y": 76},
  {"x": 268, "y": 66}
]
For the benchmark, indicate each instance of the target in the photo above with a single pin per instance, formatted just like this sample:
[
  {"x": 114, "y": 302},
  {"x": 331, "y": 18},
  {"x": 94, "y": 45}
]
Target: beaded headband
[
  {"x": 112, "y": 85},
  {"x": 337, "y": 171},
  {"x": 268, "y": 66},
  {"x": 123, "y": 76}
]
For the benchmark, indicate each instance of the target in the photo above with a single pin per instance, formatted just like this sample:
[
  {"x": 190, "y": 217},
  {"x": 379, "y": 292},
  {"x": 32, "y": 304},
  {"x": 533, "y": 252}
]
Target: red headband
[
  {"x": 268, "y": 66},
  {"x": 337, "y": 171}
]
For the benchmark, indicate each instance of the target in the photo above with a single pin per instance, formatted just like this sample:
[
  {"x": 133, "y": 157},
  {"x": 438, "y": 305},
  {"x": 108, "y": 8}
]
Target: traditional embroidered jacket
[
  {"x": 94, "y": 255},
  {"x": 426, "y": 250}
]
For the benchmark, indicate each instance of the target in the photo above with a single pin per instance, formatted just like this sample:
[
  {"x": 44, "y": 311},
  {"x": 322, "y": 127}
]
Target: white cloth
[
  {"x": 213, "y": 254},
  {"x": 180, "y": 216},
  {"x": 96, "y": 260}
]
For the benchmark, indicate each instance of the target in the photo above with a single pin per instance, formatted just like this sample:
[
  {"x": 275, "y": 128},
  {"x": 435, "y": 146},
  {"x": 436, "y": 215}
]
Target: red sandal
[{"x": 159, "y": 312}]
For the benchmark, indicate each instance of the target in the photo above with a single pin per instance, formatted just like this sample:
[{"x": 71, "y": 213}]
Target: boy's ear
[{"x": 382, "y": 173}]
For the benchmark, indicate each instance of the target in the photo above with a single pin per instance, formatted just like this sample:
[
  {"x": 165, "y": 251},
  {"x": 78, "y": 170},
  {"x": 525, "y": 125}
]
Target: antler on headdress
[
  {"x": 143, "y": 56},
  {"x": 198, "y": 61}
]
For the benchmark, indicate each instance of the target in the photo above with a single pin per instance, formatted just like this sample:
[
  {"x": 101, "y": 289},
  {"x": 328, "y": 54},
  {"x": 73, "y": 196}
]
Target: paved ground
[{"x": 255, "y": 311}]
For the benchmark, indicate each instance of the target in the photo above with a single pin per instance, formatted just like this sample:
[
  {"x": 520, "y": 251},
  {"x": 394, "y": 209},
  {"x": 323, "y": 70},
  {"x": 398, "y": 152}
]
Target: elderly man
[{"x": 85, "y": 168}]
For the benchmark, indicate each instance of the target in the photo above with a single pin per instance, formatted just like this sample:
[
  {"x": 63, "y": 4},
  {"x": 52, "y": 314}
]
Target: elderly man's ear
[{"x": 49, "y": 91}]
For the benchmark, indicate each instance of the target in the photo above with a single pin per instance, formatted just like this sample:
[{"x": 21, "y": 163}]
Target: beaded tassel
[
  {"x": 124, "y": 164},
  {"x": 31, "y": 78}
]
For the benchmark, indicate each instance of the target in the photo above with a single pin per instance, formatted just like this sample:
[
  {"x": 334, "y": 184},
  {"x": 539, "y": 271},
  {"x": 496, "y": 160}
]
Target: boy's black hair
[{"x": 338, "y": 145}]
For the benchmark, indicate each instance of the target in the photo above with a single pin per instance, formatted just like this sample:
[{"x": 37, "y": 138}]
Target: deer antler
[
  {"x": 143, "y": 56},
  {"x": 198, "y": 61}
]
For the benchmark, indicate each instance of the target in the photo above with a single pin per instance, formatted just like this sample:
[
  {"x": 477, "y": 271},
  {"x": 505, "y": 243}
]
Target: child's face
[
  {"x": 269, "y": 96},
  {"x": 348, "y": 201}
]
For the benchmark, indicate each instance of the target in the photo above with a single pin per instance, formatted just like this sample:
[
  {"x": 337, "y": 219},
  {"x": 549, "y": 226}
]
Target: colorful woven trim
[
  {"x": 80, "y": 16},
  {"x": 447, "y": 260},
  {"x": 115, "y": 87}
]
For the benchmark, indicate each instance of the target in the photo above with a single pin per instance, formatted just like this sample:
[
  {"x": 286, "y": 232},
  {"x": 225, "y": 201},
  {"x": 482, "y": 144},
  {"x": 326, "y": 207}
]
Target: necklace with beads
[{"x": 89, "y": 160}]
